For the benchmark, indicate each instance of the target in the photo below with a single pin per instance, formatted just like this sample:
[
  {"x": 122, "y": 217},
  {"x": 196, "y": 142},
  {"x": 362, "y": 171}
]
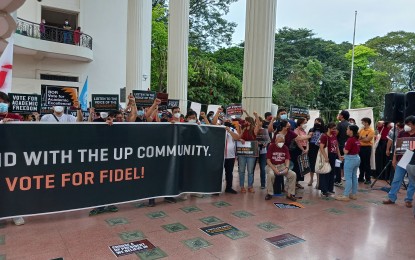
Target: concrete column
[
  {"x": 177, "y": 58},
  {"x": 259, "y": 55},
  {"x": 138, "y": 45}
]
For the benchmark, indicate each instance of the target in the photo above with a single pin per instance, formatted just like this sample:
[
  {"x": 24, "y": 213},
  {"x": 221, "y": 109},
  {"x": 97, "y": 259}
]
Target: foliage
[{"x": 159, "y": 40}]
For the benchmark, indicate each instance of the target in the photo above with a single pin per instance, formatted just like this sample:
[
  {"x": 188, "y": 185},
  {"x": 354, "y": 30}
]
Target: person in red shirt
[
  {"x": 278, "y": 162},
  {"x": 351, "y": 163}
]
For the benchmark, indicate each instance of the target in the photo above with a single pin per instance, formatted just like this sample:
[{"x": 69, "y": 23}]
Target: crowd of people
[{"x": 282, "y": 141}]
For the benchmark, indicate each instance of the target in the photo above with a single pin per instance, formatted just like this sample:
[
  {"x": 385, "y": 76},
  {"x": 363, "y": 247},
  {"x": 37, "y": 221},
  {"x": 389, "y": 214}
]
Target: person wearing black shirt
[{"x": 341, "y": 139}]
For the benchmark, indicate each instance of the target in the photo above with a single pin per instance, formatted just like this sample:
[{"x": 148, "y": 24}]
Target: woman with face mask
[
  {"x": 302, "y": 147},
  {"x": 329, "y": 140},
  {"x": 249, "y": 132},
  {"x": 315, "y": 133}
]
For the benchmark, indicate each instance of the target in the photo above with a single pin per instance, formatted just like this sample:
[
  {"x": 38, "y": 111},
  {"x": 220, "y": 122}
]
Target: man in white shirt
[{"x": 59, "y": 116}]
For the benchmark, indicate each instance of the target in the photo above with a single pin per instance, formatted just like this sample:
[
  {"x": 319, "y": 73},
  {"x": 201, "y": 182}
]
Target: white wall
[{"x": 106, "y": 22}]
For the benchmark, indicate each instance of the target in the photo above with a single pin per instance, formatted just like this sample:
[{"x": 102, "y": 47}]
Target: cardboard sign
[
  {"x": 164, "y": 97},
  {"x": 144, "y": 98},
  {"x": 403, "y": 144},
  {"x": 131, "y": 247},
  {"x": 218, "y": 229},
  {"x": 250, "y": 148},
  {"x": 304, "y": 164},
  {"x": 292, "y": 205},
  {"x": 24, "y": 103},
  {"x": 173, "y": 103},
  {"x": 85, "y": 114},
  {"x": 59, "y": 96},
  {"x": 104, "y": 103},
  {"x": 298, "y": 112},
  {"x": 263, "y": 137},
  {"x": 234, "y": 110},
  {"x": 284, "y": 240}
]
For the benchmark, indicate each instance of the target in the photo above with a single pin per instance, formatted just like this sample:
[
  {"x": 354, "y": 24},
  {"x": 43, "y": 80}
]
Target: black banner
[
  {"x": 59, "y": 96},
  {"x": 24, "y": 103},
  {"x": 144, "y": 98},
  {"x": 49, "y": 168},
  {"x": 105, "y": 103}
]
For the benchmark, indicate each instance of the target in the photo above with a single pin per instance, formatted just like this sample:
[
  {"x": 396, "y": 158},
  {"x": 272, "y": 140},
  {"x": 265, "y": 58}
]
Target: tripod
[{"x": 389, "y": 162}]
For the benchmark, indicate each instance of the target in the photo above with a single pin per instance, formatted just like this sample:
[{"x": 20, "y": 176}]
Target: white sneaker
[{"x": 18, "y": 221}]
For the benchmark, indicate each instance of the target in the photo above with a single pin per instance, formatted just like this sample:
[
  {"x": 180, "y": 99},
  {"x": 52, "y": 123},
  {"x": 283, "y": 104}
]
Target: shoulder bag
[{"x": 322, "y": 167}]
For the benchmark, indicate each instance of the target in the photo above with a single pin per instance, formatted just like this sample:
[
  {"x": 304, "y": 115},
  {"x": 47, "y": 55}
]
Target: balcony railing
[{"x": 54, "y": 34}]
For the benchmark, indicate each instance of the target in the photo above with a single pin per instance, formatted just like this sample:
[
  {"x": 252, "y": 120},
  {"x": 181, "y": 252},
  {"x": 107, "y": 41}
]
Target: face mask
[
  {"x": 177, "y": 115},
  {"x": 58, "y": 109},
  {"x": 280, "y": 145},
  {"x": 269, "y": 118},
  {"x": 103, "y": 114},
  {"x": 284, "y": 116},
  {"x": 140, "y": 113},
  {"x": 66, "y": 23},
  {"x": 317, "y": 126},
  {"x": 407, "y": 128},
  {"x": 192, "y": 121},
  {"x": 160, "y": 115},
  {"x": 304, "y": 126},
  {"x": 4, "y": 107},
  {"x": 210, "y": 118}
]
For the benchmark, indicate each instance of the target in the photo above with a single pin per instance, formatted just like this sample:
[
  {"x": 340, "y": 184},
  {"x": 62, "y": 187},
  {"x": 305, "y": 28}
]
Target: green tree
[
  {"x": 159, "y": 40},
  {"x": 396, "y": 57},
  {"x": 208, "y": 29}
]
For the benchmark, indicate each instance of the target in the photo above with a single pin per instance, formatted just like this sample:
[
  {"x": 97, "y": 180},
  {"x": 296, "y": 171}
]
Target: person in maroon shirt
[
  {"x": 381, "y": 159},
  {"x": 278, "y": 162},
  {"x": 351, "y": 163},
  {"x": 5, "y": 117}
]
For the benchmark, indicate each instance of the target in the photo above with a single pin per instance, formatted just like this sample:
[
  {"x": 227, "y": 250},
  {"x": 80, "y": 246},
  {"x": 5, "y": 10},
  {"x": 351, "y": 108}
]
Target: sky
[{"x": 334, "y": 19}]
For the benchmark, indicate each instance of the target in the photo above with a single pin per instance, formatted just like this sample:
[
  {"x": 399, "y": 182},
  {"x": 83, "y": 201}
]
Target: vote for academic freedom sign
[{"x": 48, "y": 168}]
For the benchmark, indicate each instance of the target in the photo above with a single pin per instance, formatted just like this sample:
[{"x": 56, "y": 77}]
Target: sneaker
[
  {"x": 251, "y": 190},
  {"x": 232, "y": 191},
  {"x": 368, "y": 182},
  {"x": 268, "y": 197},
  {"x": 243, "y": 190},
  {"x": 151, "y": 203},
  {"x": 262, "y": 187},
  {"x": 343, "y": 179},
  {"x": 18, "y": 221},
  {"x": 299, "y": 186},
  {"x": 331, "y": 192},
  {"x": 112, "y": 208},
  {"x": 338, "y": 184},
  {"x": 342, "y": 198},
  {"x": 408, "y": 204},
  {"x": 324, "y": 195},
  {"x": 170, "y": 200},
  {"x": 291, "y": 197},
  {"x": 352, "y": 197}
]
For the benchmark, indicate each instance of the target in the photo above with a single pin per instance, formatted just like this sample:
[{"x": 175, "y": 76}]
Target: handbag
[{"x": 322, "y": 167}]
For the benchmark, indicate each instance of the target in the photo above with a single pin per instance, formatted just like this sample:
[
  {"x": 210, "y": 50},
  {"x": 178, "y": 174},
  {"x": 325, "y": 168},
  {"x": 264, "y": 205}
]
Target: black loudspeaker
[
  {"x": 394, "y": 107},
  {"x": 409, "y": 104}
]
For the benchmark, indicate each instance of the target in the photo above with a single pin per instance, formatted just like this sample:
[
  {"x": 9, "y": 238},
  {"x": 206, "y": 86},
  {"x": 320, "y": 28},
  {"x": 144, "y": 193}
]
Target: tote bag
[{"x": 322, "y": 167}]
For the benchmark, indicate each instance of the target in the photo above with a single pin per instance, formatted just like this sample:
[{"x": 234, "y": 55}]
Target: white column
[
  {"x": 177, "y": 59},
  {"x": 138, "y": 45},
  {"x": 259, "y": 55}
]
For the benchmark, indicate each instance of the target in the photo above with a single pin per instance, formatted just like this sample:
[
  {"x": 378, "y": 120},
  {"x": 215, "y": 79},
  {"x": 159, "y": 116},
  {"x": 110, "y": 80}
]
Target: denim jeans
[
  {"x": 246, "y": 162},
  {"x": 411, "y": 175},
  {"x": 262, "y": 163},
  {"x": 396, "y": 185},
  {"x": 351, "y": 164}
]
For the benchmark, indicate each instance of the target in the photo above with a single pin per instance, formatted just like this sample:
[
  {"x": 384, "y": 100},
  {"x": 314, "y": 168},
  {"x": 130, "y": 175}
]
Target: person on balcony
[
  {"x": 42, "y": 29},
  {"x": 77, "y": 36},
  {"x": 67, "y": 34}
]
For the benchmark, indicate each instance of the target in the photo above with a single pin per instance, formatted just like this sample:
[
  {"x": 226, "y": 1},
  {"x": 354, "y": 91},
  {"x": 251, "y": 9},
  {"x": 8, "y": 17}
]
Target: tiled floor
[{"x": 361, "y": 229}]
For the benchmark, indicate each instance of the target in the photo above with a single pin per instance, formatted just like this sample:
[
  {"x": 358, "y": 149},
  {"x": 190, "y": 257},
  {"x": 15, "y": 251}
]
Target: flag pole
[{"x": 351, "y": 73}]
